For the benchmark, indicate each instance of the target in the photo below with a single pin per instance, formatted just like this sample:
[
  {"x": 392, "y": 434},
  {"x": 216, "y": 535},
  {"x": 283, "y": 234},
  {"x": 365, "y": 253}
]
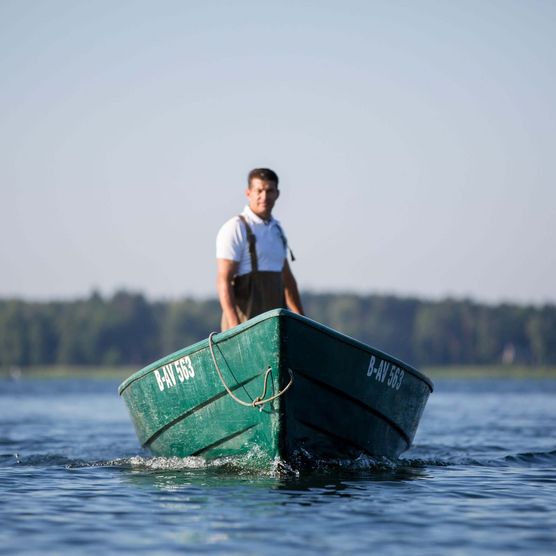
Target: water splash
[{"x": 256, "y": 462}]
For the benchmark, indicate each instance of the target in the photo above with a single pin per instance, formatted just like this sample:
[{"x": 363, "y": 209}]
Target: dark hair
[{"x": 264, "y": 174}]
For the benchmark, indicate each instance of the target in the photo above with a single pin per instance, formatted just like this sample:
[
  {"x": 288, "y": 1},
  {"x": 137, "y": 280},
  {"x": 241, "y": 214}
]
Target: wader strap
[
  {"x": 285, "y": 241},
  {"x": 252, "y": 240}
]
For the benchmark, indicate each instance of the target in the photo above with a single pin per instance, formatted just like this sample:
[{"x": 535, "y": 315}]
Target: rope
[{"x": 259, "y": 401}]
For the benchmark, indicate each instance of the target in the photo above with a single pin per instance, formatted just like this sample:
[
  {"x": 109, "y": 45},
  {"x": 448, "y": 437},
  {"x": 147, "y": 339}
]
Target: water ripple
[{"x": 481, "y": 479}]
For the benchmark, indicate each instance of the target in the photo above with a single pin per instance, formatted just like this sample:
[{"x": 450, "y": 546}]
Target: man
[{"x": 251, "y": 252}]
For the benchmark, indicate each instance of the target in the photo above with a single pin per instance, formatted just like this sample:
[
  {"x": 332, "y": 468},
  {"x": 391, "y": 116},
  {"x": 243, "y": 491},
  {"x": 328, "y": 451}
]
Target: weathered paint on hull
[{"x": 347, "y": 398}]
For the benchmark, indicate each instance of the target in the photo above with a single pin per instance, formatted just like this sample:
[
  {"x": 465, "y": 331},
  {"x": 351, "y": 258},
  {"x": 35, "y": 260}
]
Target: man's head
[{"x": 262, "y": 191}]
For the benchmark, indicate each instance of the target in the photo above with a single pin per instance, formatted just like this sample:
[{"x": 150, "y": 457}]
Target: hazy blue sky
[{"x": 415, "y": 141}]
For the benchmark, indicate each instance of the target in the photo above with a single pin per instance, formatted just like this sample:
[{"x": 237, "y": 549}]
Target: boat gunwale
[
  {"x": 196, "y": 347},
  {"x": 274, "y": 313}
]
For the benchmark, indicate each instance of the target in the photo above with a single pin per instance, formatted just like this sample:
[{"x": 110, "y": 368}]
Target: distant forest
[{"x": 127, "y": 329}]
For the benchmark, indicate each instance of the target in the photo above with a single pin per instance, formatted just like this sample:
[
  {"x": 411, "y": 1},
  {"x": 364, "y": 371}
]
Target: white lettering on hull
[
  {"x": 385, "y": 369},
  {"x": 174, "y": 373}
]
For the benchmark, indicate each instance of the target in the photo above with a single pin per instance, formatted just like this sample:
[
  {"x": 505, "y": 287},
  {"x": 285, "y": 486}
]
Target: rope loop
[{"x": 259, "y": 401}]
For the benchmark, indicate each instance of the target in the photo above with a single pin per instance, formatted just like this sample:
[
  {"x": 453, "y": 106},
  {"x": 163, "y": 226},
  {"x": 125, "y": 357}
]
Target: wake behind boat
[{"x": 282, "y": 383}]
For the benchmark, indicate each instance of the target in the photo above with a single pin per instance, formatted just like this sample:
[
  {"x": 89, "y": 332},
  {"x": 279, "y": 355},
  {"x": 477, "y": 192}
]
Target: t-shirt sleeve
[{"x": 230, "y": 241}]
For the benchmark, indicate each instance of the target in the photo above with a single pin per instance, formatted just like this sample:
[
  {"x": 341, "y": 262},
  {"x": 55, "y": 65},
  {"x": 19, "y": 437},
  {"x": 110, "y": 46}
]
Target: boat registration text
[
  {"x": 174, "y": 373},
  {"x": 385, "y": 369}
]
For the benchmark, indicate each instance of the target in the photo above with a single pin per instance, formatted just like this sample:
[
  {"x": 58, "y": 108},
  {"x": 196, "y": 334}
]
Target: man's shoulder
[
  {"x": 276, "y": 223},
  {"x": 231, "y": 229},
  {"x": 230, "y": 240},
  {"x": 233, "y": 222}
]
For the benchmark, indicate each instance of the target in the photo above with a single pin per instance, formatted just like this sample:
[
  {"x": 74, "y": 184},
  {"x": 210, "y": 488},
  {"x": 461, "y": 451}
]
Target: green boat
[{"x": 282, "y": 383}]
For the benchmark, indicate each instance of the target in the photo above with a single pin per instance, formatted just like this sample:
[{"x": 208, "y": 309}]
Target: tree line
[{"x": 128, "y": 329}]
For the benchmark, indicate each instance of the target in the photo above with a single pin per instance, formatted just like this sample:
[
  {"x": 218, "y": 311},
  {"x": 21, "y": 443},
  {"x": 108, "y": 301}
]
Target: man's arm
[
  {"x": 293, "y": 299},
  {"x": 226, "y": 271}
]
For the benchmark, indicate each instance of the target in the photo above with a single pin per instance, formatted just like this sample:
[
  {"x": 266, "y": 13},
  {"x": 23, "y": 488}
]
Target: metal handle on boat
[{"x": 259, "y": 401}]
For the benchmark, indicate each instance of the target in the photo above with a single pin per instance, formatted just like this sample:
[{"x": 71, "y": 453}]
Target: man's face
[{"x": 262, "y": 195}]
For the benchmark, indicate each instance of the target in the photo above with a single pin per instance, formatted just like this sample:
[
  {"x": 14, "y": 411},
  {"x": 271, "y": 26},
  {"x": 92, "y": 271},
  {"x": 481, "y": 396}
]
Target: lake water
[{"x": 480, "y": 479}]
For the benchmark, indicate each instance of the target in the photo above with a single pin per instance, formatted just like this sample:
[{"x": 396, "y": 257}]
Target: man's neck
[{"x": 266, "y": 218}]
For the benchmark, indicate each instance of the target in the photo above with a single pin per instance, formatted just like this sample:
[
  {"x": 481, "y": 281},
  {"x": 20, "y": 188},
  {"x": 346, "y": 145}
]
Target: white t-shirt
[{"x": 232, "y": 244}]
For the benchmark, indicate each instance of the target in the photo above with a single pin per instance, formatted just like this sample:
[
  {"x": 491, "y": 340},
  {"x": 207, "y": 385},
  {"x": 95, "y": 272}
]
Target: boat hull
[{"x": 346, "y": 398}]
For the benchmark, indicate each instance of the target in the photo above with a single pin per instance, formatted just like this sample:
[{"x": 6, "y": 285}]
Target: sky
[{"x": 414, "y": 140}]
